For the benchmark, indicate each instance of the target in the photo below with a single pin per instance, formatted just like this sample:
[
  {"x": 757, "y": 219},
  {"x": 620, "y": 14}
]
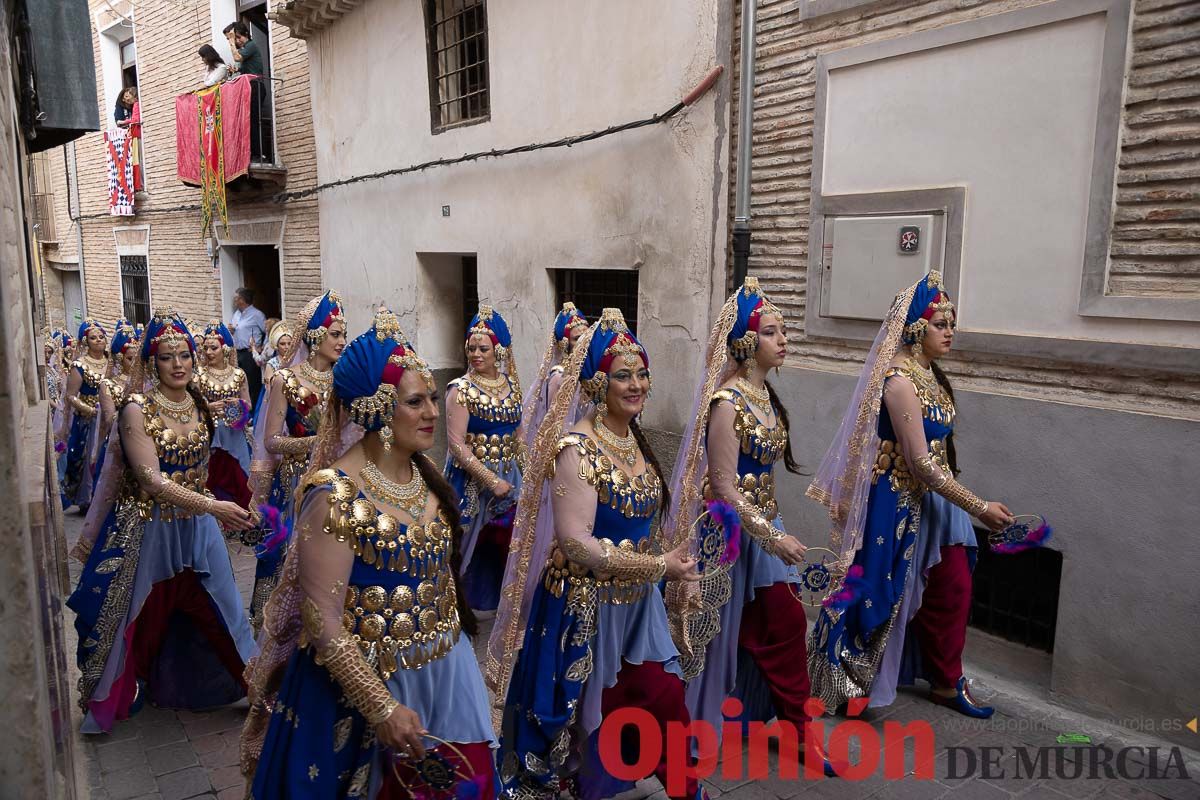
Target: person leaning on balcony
[
  {"x": 215, "y": 68},
  {"x": 248, "y": 327},
  {"x": 247, "y": 57}
]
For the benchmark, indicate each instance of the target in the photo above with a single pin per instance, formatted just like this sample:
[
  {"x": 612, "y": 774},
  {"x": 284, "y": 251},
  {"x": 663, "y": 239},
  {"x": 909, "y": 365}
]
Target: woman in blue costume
[
  {"x": 225, "y": 388},
  {"x": 157, "y": 610},
  {"x": 115, "y": 387},
  {"x": 582, "y": 628},
  {"x": 366, "y": 686},
  {"x": 81, "y": 414},
  {"x": 287, "y": 430},
  {"x": 569, "y": 325},
  {"x": 749, "y": 614},
  {"x": 897, "y": 511},
  {"x": 486, "y": 455},
  {"x": 56, "y": 386}
]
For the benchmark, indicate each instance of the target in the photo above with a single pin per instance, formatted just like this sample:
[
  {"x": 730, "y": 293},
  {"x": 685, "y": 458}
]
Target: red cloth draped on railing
[
  {"x": 212, "y": 141},
  {"x": 118, "y": 160}
]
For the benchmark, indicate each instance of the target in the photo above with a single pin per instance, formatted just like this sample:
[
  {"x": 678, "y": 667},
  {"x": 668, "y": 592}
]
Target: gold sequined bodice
[
  {"x": 220, "y": 387},
  {"x": 182, "y": 458},
  {"x": 400, "y": 601}
]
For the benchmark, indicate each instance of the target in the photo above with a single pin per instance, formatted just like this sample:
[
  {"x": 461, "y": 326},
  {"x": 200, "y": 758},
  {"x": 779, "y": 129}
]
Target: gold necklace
[
  {"x": 178, "y": 410},
  {"x": 625, "y": 447},
  {"x": 923, "y": 376},
  {"x": 489, "y": 385},
  {"x": 322, "y": 380},
  {"x": 409, "y": 497},
  {"x": 97, "y": 364},
  {"x": 759, "y": 398}
]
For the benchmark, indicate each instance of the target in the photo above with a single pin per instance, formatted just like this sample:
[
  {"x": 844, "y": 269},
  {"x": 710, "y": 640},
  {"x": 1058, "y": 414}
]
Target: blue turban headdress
[
  {"x": 166, "y": 327},
  {"x": 218, "y": 328},
  {"x": 318, "y": 315},
  {"x": 488, "y": 322},
  {"x": 929, "y": 297},
  {"x": 611, "y": 340},
  {"x": 752, "y": 306},
  {"x": 567, "y": 320},
  {"x": 87, "y": 325},
  {"x": 367, "y": 373},
  {"x": 124, "y": 335}
]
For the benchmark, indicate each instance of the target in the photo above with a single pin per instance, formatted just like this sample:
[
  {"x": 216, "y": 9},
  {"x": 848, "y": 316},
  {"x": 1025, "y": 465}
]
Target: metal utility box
[{"x": 867, "y": 259}]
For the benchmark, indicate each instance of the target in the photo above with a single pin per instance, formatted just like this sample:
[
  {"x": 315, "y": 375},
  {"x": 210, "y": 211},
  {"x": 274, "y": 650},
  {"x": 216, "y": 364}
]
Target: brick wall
[
  {"x": 1164, "y": 70},
  {"x": 167, "y": 35}
]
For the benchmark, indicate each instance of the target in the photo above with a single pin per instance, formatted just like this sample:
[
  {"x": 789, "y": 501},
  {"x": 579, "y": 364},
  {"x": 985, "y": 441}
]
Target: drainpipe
[{"x": 741, "y": 208}]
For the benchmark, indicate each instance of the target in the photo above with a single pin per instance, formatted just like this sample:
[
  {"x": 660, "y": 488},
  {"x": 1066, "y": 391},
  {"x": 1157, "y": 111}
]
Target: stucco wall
[
  {"x": 644, "y": 199},
  {"x": 1120, "y": 492}
]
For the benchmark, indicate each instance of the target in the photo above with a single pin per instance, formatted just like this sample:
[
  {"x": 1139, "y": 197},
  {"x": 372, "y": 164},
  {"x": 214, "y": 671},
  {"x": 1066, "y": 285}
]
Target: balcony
[{"x": 240, "y": 115}]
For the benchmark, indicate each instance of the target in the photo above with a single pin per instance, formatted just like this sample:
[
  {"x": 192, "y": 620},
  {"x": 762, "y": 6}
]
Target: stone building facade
[
  {"x": 271, "y": 246},
  {"x": 1054, "y": 147}
]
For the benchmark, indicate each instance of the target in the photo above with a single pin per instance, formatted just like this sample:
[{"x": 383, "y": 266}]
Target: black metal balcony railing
[{"x": 262, "y": 121}]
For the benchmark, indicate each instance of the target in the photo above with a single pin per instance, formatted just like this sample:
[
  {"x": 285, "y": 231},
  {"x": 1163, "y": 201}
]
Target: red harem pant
[
  {"x": 941, "y": 621},
  {"x": 650, "y": 687},
  {"x": 774, "y": 630},
  {"x": 183, "y": 593},
  {"x": 404, "y": 784}
]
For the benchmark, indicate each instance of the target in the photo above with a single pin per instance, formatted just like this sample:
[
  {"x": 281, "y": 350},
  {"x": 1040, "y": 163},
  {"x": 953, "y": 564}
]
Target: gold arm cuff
[
  {"x": 83, "y": 408},
  {"x": 625, "y": 565},
  {"x": 290, "y": 445},
  {"x": 363, "y": 688},
  {"x": 944, "y": 484},
  {"x": 173, "y": 494},
  {"x": 758, "y": 526},
  {"x": 475, "y": 469}
]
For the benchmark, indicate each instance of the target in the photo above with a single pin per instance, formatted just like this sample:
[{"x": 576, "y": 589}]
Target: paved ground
[{"x": 177, "y": 755}]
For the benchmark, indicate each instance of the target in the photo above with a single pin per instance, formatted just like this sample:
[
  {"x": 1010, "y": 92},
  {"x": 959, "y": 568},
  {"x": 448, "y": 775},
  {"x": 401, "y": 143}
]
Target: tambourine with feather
[
  {"x": 1027, "y": 532},
  {"x": 445, "y": 773}
]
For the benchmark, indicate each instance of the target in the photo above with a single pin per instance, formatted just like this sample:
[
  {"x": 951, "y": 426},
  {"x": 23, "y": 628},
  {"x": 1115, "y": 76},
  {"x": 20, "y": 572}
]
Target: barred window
[
  {"x": 593, "y": 290},
  {"x": 135, "y": 289},
  {"x": 456, "y": 33}
]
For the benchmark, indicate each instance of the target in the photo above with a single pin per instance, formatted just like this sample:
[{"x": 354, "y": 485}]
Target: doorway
[
  {"x": 72, "y": 289},
  {"x": 256, "y": 267}
]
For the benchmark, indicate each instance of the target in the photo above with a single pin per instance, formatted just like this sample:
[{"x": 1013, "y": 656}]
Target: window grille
[
  {"x": 456, "y": 34},
  {"x": 1016, "y": 596},
  {"x": 135, "y": 289},
  {"x": 593, "y": 290}
]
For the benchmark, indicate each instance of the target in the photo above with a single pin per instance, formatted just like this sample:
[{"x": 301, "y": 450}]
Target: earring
[
  {"x": 917, "y": 350},
  {"x": 154, "y": 378},
  {"x": 601, "y": 412},
  {"x": 386, "y": 436}
]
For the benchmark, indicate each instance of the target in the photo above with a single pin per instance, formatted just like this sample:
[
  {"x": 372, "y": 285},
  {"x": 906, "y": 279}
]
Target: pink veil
[
  {"x": 262, "y": 461},
  {"x": 691, "y": 465},
  {"x": 533, "y": 532},
  {"x": 842, "y": 482},
  {"x": 533, "y": 411}
]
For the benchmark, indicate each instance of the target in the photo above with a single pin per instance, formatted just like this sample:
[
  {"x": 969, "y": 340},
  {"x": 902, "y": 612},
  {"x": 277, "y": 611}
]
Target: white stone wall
[{"x": 650, "y": 199}]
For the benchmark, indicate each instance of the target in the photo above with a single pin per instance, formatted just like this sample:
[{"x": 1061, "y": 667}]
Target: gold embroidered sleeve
[
  {"x": 474, "y": 467},
  {"x": 290, "y": 445},
  {"x": 82, "y": 408},
  {"x": 757, "y": 526},
  {"x": 624, "y": 565},
  {"x": 362, "y": 685},
  {"x": 944, "y": 484},
  {"x": 457, "y": 419},
  {"x": 170, "y": 493}
]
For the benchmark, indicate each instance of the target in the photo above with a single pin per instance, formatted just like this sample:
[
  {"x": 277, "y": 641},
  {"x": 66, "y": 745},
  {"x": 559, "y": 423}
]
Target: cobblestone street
[{"x": 175, "y": 755}]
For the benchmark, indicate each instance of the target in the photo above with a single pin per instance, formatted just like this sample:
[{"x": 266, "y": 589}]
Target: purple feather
[
  {"x": 1036, "y": 538},
  {"x": 281, "y": 529},
  {"x": 853, "y": 587},
  {"x": 60, "y": 447},
  {"x": 731, "y": 524},
  {"x": 243, "y": 417}
]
